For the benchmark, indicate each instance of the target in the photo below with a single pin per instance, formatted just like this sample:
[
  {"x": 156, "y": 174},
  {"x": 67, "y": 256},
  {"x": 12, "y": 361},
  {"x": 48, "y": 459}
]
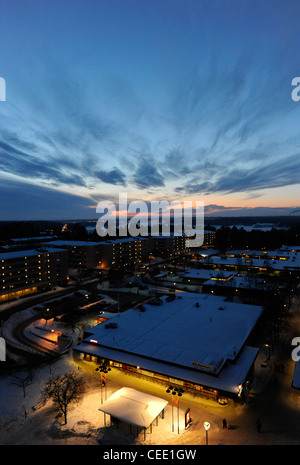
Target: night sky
[{"x": 159, "y": 99}]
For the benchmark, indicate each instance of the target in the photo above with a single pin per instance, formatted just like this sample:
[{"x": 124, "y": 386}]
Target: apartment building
[
  {"x": 26, "y": 272},
  {"x": 82, "y": 254},
  {"x": 209, "y": 238},
  {"x": 123, "y": 252},
  {"x": 168, "y": 245}
]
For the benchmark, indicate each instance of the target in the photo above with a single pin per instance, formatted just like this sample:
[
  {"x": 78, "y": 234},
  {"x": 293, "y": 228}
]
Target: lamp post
[
  {"x": 268, "y": 350},
  {"x": 206, "y": 427},
  {"x": 176, "y": 393},
  {"x": 170, "y": 388},
  {"x": 103, "y": 369}
]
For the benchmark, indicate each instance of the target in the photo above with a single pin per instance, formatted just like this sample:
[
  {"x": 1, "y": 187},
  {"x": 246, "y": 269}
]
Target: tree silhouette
[
  {"x": 23, "y": 381},
  {"x": 63, "y": 390}
]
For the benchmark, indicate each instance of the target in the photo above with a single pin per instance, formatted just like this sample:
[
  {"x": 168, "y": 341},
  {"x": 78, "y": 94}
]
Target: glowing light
[{"x": 206, "y": 425}]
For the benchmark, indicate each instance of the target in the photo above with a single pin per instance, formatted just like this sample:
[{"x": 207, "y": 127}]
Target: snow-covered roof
[
  {"x": 124, "y": 240},
  {"x": 207, "y": 274},
  {"x": 133, "y": 407},
  {"x": 160, "y": 275},
  {"x": 37, "y": 238},
  {"x": 292, "y": 261},
  {"x": 60, "y": 243},
  {"x": 195, "y": 331},
  {"x": 28, "y": 253},
  {"x": 207, "y": 252},
  {"x": 295, "y": 248},
  {"x": 106, "y": 315},
  {"x": 238, "y": 282}
]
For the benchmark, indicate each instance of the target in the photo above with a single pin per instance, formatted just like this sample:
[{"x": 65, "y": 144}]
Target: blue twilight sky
[{"x": 159, "y": 99}]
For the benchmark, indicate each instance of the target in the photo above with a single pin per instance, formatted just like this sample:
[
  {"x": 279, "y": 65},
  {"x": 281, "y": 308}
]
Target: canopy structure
[{"x": 134, "y": 407}]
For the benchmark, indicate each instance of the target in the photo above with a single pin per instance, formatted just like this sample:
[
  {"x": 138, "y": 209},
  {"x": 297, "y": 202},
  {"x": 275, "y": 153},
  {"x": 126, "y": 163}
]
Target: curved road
[{"x": 31, "y": 352}]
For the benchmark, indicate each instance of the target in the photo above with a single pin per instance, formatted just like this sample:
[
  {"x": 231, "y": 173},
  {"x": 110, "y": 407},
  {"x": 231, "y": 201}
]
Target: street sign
[{"x": 187, "y": 417}]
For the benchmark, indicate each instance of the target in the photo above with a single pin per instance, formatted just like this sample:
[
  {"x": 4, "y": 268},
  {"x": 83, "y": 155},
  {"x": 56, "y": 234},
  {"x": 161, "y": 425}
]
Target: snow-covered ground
[
  {"x": 37, "y": 330},
  {"x": 15, "y": 408},
  {"x": 24, "y": 420}
]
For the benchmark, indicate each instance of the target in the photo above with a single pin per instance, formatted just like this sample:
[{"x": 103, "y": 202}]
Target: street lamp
[
  {"x": 103, "y": 369},
  {"x": 176, "y": 393},
  {"x": 170, "y": 388},
  {"x": 268, "y": 348},
  {"x": 206, "y": 427}
]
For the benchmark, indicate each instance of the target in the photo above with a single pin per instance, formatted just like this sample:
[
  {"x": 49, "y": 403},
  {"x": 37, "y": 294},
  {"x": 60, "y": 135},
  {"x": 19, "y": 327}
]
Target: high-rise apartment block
[{"x": 26, "y": 272}]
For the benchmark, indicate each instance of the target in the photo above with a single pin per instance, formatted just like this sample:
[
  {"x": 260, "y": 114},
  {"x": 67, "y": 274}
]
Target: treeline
[
  {"x": 278, "y": 221},
  {"x": 238, "y": 238},
  {"x": 15, "y": 229},
  {"x": 227, "y": 237}
]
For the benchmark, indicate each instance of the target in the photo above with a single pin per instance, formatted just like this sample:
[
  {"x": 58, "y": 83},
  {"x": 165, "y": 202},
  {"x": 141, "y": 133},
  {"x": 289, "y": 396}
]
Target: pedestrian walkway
[{"x": 272, "y": 401}]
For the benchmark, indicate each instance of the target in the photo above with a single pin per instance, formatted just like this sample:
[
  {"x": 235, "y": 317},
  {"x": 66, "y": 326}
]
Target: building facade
[
  {"x": 82, "y": 254},
  {"x": 168, "y": 245},
  {"x": 29, "y": 271},
  {"x": 123, "y": 252}
]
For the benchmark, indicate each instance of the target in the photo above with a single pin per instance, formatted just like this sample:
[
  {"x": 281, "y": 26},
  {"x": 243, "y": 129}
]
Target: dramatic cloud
[
  {"x": 17, "y": 199},
  {"x": 285, "y": 171},
  {"x": 17, "y": 162},
  {"x": 173, "y": 99},
  {"x": 114, "y": 176},
  {"x": 147, "y": 174}
]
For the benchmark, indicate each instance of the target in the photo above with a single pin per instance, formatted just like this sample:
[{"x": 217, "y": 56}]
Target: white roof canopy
[{"x": 134, "y": 407}]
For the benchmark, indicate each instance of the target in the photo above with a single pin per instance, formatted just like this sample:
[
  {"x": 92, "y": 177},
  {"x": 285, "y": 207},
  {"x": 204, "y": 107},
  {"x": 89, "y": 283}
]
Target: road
[
  {"x": 26, "y": 350},
  {"x": 273, "y": 401}
]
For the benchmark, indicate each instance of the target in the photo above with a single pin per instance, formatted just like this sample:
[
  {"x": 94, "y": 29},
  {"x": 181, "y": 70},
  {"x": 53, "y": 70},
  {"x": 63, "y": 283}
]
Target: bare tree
[
  {"x": 63, "y": 390},
  {"x": 22, "y": 381}
]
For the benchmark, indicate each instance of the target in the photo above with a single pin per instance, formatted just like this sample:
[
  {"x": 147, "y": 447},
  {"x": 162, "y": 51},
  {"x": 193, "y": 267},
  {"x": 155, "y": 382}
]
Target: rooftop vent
[{"x": 111, "y": 325}]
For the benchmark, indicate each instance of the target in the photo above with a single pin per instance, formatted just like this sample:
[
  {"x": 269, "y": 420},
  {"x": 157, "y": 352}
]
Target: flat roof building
[
  {"x": 195, "y": 340},
  {"x": 106, "y": 254},
  {"x": 276, "y": 262},
  {"x": 198, "y": 276}
]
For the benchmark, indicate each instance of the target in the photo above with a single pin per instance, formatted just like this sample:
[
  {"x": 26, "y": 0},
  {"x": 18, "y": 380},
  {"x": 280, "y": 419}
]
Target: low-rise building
[
  {"x": 199, "y": 276},
  {"x": 268, "y": 262},
  {"x": 192, "y": 340}
]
